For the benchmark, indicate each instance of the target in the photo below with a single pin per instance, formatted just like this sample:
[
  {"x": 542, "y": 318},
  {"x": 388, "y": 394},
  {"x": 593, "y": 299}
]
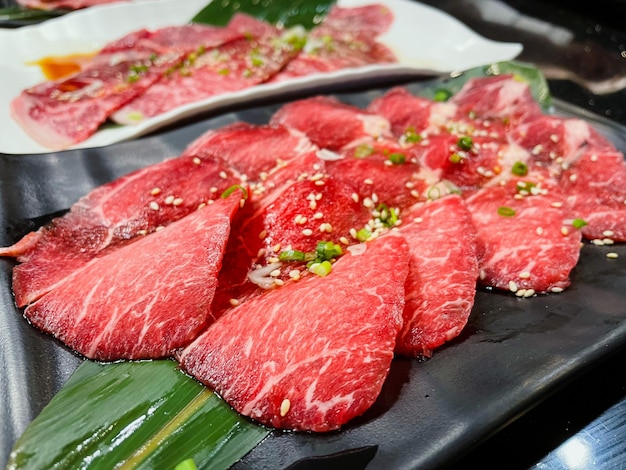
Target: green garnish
[
  {"x": 327, "y": 250},
  {"x": 579, "y": 223},
  {"x": 465, "y": 143},
  {"x": 321, "y": 269},
  {"x": 363, "y": 235},
  {"x": 455, "y": 158},
  {"x": 411, "y": 136},
  {"x": 232, "y": 189},
  {"x": 397, "y": 158},
  {"x": 506, "y": 211},
  {"x": 519, "y": 169},
  {"x": 318, "y": 261},
  {"x": 387, "y": 216},
  {"x": 292, "y": 255},
  {"x": 363, "y": 150},
  {"x": 442, "y": 95},
  {"x": 525, "y": 186}
]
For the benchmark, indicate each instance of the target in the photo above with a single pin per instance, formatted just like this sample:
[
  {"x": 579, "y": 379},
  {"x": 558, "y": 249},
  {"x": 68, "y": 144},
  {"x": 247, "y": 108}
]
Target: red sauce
[{"x": 56, "y": 67}]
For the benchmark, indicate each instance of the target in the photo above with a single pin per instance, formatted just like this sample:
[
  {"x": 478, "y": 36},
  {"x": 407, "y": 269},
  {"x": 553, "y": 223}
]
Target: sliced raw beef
[
  {"x": 331, "y": 124},
  {"x": 526, "y": 243},
  {"x": 408, "y": 112},
  {"x": 253, "y": 150},
  {"x": 596, "y": 190},
  {"x": 58, "y": 114},
  {"x": 233, "y": 66},
  {"x": 497, "y": 97},
  {"x": 443, "y": 270},
  {"x": 63, "y": 4},
  {"x": 313, "y": 354},
  {"x": 112, "y": 215},
  {"x": 144, "y": 300},
  {"x": 347, "y": 38}
]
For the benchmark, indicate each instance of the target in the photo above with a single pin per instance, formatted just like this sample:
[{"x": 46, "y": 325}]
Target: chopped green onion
[
  {"x": 519, "y": 169},
  {"x": 188, "y": 464},
  {"x": 321, "y": 269},
  {"x": 363, "y": 235},
  {"x": 411, "y": 136},
  {"x": 363, "y": 150},
  {"x": 455, "y": 158},
  {"x": 442, "y": 95},
  {"x": 579, "y": 223},
  {"x": 387, "y": 216},
  {"x": 232, "y": 189},
  {"x": 397, "y": 158},
  {"x": 506, "y": 211},
  {"x": 465, "y": 143},
  {"x": 292, "y": 255},
  {"x": 327, "y": 250}
]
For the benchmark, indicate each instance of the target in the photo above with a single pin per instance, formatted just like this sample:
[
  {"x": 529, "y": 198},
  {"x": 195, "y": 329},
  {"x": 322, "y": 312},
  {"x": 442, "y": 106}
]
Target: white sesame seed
[
  {"x": 313, "y": 205},
  {"x": 608, "y": 233},
  {"x": 263, "y": 234},
  {"x": 593, "y": 158},
  {"x": 275, "y": 273},
  {"x": 294, "y": 274},
  {"x": 223, "y": 175},
  {"x": 415, "y": 193},
  {"x": 154, "y": 206},
  {"x": 418, "y": 220},
  {"x": 196, "y": 160},
  {"x": 155, "y": 191},
  {"x": 168, "y": 200},
  {"x": 556, "y": 290},
  {"x": 142, "y": 232},
  {"x": 213, "y": 189},
  {"x": 597, "y": 242},
  {"x": 608, "y": 241},
  {"x": 374, "y": 198},
  {"x": 353, "y": 232},
  {"x": 178, "y": 201},
  {"x": 539, "y": 230},
  {"x": 307, "y": 232},
  {"x": 318, "y": 215},
  {"x": 520, "y": 292},
  {"x": 320, "y": 183},
  {"x": 284, "y": 407},
  {"x": 326, "y": 227},
  {"x": 234, "y": 302},
  {"x": 279, "y": 282},
  {"x": 367, "y": 202},
  {"x": 573, "y": 177},
  {"x": 344, "y": 240},
  {"x": 482, "y": 274},
  {"x": 159, "y": 228},
  {"x": 612, "y": 255},
  {"x": 529, "y": 293},
  {"x": 300, "y": 219},
  {"x": 557, "y": 204},
  {"x": 513, "y": 286},
  {"x": 564, "y": 231},
  {"x": 276, "y": 248},
  {"x": 554, "y": 138},
  {"x": 409, "y": 185},
  {"x": 524, "y": 275},
  {"x": 355, "y": 197},
  {"x": 261, "y": 252},
  {"x": 273, "y": 259},
  {"x": 537, "y": 149},
  {"x": 368, "y": 181}
]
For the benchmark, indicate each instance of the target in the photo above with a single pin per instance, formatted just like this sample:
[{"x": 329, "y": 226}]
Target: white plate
[{"x": 424, "y": 39}]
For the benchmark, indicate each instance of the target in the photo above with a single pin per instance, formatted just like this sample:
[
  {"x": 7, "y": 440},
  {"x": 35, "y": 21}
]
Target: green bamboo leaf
[
  {"x": 17, "y": 13},
  {"x": 522, "y": 71},
  {"x": 134, "y": 415},
  {"x": 287, "y": 13}
]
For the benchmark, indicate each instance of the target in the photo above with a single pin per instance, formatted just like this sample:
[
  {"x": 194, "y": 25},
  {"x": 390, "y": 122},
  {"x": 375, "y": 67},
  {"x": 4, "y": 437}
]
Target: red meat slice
[
  {"x": 331, "y": 124},
  {"x": 112, "y": 215},
  {"x": 406, "y": 111},
  {"x": 278, "y": 357},
  {"x": 58, "y": 114},
  {"x": 146, "y": 299},
  {"x": 233, "y": 66},
  {"x": 253, "y": 150},
  {"x": 526, "y": 244},
  {"x": 346, "y": 38},
  {"x": 497, "y": 97},
  {"x": 62, "y": 4},
  {"x": 443, "y": 270},
  {"x": 596, "y": 191}
]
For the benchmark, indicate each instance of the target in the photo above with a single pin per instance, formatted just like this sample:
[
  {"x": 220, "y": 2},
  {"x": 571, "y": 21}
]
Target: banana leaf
[
  {"x": 134, "y": 415},
  {"x": 287, "y": 13}
]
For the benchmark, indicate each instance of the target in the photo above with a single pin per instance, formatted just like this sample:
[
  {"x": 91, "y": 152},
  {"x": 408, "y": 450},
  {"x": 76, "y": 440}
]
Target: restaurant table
[{"x": 581, "y": 49}]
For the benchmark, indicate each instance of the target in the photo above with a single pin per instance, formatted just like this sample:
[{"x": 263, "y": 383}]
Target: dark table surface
[
  {"x": 582, "y": 51},
  {"x": 581, "y": 48}
]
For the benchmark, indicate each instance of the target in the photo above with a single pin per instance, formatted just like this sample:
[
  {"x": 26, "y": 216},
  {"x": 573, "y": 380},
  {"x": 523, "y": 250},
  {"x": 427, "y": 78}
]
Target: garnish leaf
[
  {"x": 287, "y": 13},
  {"x": 131, "y": 415}
]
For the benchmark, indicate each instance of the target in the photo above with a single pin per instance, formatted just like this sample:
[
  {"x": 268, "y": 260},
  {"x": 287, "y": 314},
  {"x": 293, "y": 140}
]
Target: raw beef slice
[
  {"x": 145, "y": 299},
  {"x": 443, "y": 270},
  {"x": 113, "y": 215},
  {"x": 313, "y": 354}
]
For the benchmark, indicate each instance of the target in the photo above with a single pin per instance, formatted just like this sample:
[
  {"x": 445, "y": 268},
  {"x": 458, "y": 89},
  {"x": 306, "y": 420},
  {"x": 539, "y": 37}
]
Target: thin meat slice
[
  {"x": 331, "y": 124},
  {"x": 526, "y": 243},
  {"x": 58, "y": 114},
  {"x": 235, "y": 65},
  {"x": 346, "y": 38},
  {"x": 253, "y": 150},
  {"x": 144, "y": 300},
  {"x": 443, "y": 270},
  {"x": 408, "y": 112},
  {"x": 112, "y": 215},
  {"x": 596, "y": 192},
  {"x": 278, "y": 358}
]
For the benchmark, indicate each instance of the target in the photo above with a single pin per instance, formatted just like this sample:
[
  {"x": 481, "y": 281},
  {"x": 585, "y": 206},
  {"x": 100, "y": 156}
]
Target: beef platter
[
  {"x": 147, "y": 73},
  {"x": 325, "y": 243}
]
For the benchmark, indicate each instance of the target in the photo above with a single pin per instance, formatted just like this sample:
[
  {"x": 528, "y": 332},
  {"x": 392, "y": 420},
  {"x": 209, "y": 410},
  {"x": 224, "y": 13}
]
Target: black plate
[{"x": 513, "y": 354}]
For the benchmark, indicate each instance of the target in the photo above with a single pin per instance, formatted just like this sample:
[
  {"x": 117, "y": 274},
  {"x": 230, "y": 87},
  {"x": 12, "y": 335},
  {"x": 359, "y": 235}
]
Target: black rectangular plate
[{"x": 513, "y": 354}]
